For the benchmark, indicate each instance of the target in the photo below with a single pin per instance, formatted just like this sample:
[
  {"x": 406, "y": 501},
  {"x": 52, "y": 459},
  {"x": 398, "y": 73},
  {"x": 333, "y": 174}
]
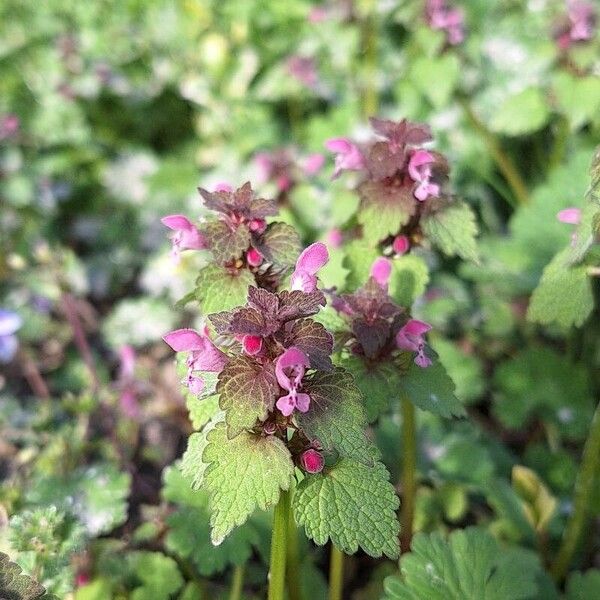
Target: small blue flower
[{"x": 10, "y": 323}]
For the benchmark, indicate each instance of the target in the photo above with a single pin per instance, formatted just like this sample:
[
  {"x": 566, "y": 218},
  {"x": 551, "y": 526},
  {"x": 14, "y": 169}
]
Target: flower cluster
[
  {"x": 379, "y": 327},
  {"x": 285, "y": 168},
  {"x": 400, "y": 180},
  {"x": 577, "y": 25},
  {"x": 267, "y": 348}
]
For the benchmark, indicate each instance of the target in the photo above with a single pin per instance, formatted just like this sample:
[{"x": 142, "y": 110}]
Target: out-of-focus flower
[
  {"x": 303, "y": 69},
  {"x": 571, "y": 216},
  {"x": 335, "y": 238},
  {"x": 313, "y": 163},
  {"x": 348, "y": 156},
  {"x": 127, "y": 383},
  {"x": 9, "y": 126},
  {"x": 10, "y": 323},
  {"x": 187, "y": 236},
  {"x": 450, "y": 20},
  {"x": 381, "y": 270}
]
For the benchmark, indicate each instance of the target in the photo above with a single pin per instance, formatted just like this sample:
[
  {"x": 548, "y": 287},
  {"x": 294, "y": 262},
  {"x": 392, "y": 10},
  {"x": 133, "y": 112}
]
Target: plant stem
[
  {"x": 504, "y": 162},
  {"x": 369, "y": 35},
  {"x": 278, "y": 548},
  {"x": 237, "y": 584},
  {"x": 584, "y": 486},
  {"x": 336, "y": 574},
  {"x": 293, "y": 561},
  {"x": 409, "y": 468}
]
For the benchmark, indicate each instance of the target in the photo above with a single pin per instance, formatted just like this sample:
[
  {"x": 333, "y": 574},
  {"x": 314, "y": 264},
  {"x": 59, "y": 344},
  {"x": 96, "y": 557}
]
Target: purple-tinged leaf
[
  {"x": 314, "y": 340},
  {"x": 297, "y": 304},
  {"x": 280, "y": 244},
  {"x": 248, "y": 390},
  {"x": 226, "y": 243}
]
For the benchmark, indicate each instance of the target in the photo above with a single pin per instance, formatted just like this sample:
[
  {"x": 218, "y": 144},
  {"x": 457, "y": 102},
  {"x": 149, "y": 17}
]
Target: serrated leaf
[
  {"x": 336, "y": 417},
  {"x": 158, "y": 573},
  {"x": 193, "y": 465},
  {"x": 244, "y": 473},
  {"x": 378, "y": 382},
  {"x": 353, "y": 505},
  {"x": 314, "y": 340},
  {"x": 408, "y": 280},
  {"x": 453, "y": 230},
  {"x": 247, "y": 392},
  {"x": 432, "y": 389},
  {"x": 469, "y": 564},
  {"x": 201, "y": 411},
  {"x": 522, "y": 113},
  {"x": 563, "y": 296},
  {"x": 384, "y": 209},
  {"x": 16, "y": 585},
  {"x": 221, "y": 289},
  {"x": 436, "y": 77},
  {"x": 280, "y": 245},
  {"x": 226, "y": 243}
]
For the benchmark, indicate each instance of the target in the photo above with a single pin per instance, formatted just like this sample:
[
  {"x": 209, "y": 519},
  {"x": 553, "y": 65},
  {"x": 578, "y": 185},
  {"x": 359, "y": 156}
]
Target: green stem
[
  {"x": 560, "y": 142},
  {"x": 369, "y": 34},
  {"x": 293, "y": 560},
  {"x": 584, "y": 487},
  {"x": 409, "y": 469},
  {"x": 237, "y": 585},
  {"x": 278, "y": 548},
  {"x": 336, "y": 574},
  {"x": 504, "y": 162}
]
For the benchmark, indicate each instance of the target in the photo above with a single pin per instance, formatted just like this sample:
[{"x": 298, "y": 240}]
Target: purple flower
[
  {"x": 410, "y": 337},
  {"x": 312, "y": 461},
  {"x": 381, "y": 270},
  {"x": 309, "y": 262},
  {"x": 400, "y": 245},
  {"x": 290, "y": 369},
  {"x": 450, "y": 20},
  {"x": 187, "y": 236},
  {"x": 348, "y": 156},
  {"x": 303, "y": 69},
  {"x": 582, "y": 18},
  {"x": 203, "y": 355},
  {"x": 10, "y": 323},
  {"x": 419, "y": 169},
  {"x": 335, "y": 238}
]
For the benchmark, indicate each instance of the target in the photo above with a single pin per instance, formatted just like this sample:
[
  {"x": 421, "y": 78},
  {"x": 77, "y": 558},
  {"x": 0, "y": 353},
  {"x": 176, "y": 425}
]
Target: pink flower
[
  {"x": 9, "y": 126},
  {"x": 312, "y": 461},
  {"x": 410, "y": 337},
  {"x": 223, "y": 187},
  {"x": 450, "y": 20},
  {"x": 335, "y": 238},
  {"x": 187, "y": 236},
  {"x": 381, "y": 270},
  {"x": 203, "y": 355},
  {"x": 348, "y": 156},
  {"x": 317, "y": 15},
  {"x": 419, "y": 169},
  {"x": 572, "y": 216},
  {"x": 582, "y": 17},
  {"x": 309, "y": 262},
  {"x": 254, "y": 257},
  {"x": 290, "y": 369},
  {"x": 400, "y": 245},
  {"x": 313, "y": 164},
  {"x": 252, "y": 344},
  {"x": 257, "y": 225},
  {"x": 303, "y": 69}
]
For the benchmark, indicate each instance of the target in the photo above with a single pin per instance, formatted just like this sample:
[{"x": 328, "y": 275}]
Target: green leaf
[
  {"x": 379, "y": 383},
  {"x": 225, "y": 243},
  {"x": 469, "y": 564},
  {"x": 360, "y": 255},
  {"x": 453, "y": 230},
  {"x": 351, "y": 504},
  {"x": 436, "y": 77},
  {"x": 432, "y": 389},
  {"x": 193, "y": 466},
  {"x": 564, "y": 295},
  {"x": 541, "y": 383},
  {"x": 15, "y": 585},
  {"x": 336, "y": 417},
  {"x": 248, "y": 390},
  {"x": 280, "y": 245},
  {"x": 583, "y": 586},
  {"x": 221, "y": 289},
  {"x": 201, "y": 410},
  {"x": 578, "y": 98},
  {"x": 99, "y": 589},
  {"x": 521, "y": 114},
  {"x": 243, "y": 474},
  {"x": 384, "y": 209},
  {"x": 408, "y": 280},
  {"x": 159, "y": 575}
]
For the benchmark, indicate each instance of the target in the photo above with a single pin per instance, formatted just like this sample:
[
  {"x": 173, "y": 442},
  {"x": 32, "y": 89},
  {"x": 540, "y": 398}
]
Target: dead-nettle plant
[{"x": 285, "y": 377}]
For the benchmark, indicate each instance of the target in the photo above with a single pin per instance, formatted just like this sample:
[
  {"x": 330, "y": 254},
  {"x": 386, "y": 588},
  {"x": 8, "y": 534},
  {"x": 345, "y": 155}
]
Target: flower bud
[
  {"x": 254, "y": 257},
  {"x": 257, "y": 225},
  {"x": 312, "y": 461}
]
